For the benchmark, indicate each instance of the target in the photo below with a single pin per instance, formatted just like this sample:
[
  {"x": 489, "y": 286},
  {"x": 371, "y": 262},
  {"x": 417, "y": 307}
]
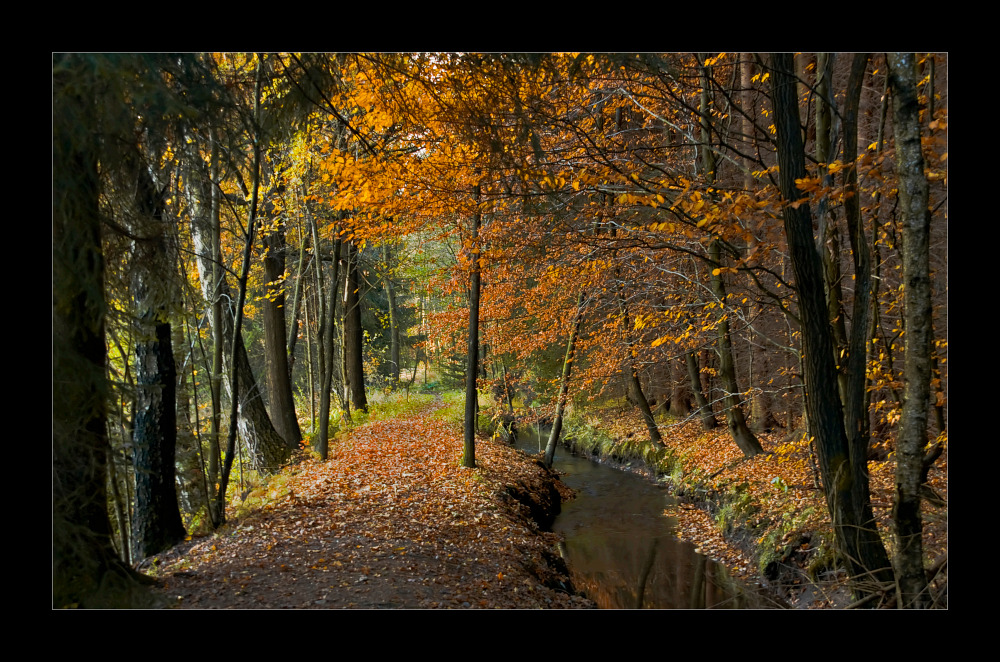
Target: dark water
[{"x": 621, "y": 550}]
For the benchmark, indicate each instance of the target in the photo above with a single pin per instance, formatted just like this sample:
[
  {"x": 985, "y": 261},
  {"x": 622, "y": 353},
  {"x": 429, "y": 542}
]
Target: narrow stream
[{"x": 621, "y": 549}]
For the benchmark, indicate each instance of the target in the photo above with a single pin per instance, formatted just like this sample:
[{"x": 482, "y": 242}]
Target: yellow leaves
[
  {"x": 808, "y": 184},
  {"x": 659, "y": 341}
]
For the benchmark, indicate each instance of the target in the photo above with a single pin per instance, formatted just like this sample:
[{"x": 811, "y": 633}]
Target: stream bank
[{"x": 764, "y": 518}]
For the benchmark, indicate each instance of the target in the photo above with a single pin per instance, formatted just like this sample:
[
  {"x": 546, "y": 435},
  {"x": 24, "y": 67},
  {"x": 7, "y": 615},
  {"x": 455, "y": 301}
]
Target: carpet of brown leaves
[{"x": 390, "y": 521}]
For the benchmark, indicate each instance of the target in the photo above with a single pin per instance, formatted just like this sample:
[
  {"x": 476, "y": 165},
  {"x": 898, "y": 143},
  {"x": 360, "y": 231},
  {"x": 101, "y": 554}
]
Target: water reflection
[{"x": 621, "y": 550}]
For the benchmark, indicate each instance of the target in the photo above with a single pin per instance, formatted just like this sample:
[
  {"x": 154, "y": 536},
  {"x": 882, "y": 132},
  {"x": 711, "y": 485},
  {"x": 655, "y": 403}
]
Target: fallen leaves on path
[{"x": 390, "y": 521}]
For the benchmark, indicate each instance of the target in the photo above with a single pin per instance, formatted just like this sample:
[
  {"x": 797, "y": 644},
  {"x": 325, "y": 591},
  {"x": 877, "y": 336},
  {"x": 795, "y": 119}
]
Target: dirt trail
[{"x": 390, "y": 521}]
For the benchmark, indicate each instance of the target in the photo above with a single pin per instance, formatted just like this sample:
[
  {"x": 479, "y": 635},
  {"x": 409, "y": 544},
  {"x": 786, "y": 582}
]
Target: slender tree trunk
[
  {"x": 735, "y": 418},
  {"x": 390, "y": 291},
  {"x": 256, "y": 430},
  {"x": 472, "y": 353},
  {"x": 327, "y": 335},
  {"x": 708, "y": 421},
  {"x": 854, "y": 383},
  {"x": 293, "y": 328},
  {"x": 680, "y": 387},
  {"x": 913, "y": 194},
  {"x": 353, "y": 348},
  {"x": 238, "y": 350},
  {"x": 557, "y": 421}
]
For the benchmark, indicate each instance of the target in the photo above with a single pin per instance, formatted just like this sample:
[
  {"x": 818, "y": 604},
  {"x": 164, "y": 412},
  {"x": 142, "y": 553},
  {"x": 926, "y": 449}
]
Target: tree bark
[
  {"x": 327, "y": 334},
  {"x": 854, "y": 383},
  {"x": 390, "y": 291},
  {"x": 86, "y": 572},
  {"x": 156, "y": 522},
  {"x": 353, "y": 348},
  {"x": 557, "y": 421},
  {"x": 708, "y": 421},
  {"x": 735, "y": 419},
  {"x": 256, "y": 430},
  {"x": 826, "y": 422},
  {"x": 472, "y": 352},
  {"x": 279, "y": 385},
  {"x": 913, "y": 194}
]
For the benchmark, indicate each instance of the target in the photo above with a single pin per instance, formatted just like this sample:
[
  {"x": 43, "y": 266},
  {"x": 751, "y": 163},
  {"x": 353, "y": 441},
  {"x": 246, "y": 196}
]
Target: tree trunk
[
  {"x": 735, "y": 418},
  {"x": 390, "y": 291},
  {"x": 854, "y": 383},
  {"x": 557, "y": 421},
  {"x": 472, "y": 353},
  {"x": 86, "y": 572},
  {"x": 708, "y": 421},
  {"x": 255, "y": 427},
  {"x": 912, "y": 438},
  {"x": 680, "y": 388},
  {"x": 279, "y": 385},
  {"x": 823, "y": 405},
  {"x": 156, "y": 522},
  {"x": 353, "y": 348},
  {"x": 327, "y": 334}
]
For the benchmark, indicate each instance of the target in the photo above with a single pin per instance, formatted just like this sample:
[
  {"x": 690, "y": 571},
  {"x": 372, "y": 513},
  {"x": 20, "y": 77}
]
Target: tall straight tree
[
  {"x": 858, "y": 543},
  {"x": 472, "y": 351},
  {"x": 913, "y": 194},
  {"x": 353, "y": 346},
  {"x": 279, "y": 384}
]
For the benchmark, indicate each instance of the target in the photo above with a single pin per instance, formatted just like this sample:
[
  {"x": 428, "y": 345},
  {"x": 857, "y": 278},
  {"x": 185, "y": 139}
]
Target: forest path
[{"x": 390, "y": 521}]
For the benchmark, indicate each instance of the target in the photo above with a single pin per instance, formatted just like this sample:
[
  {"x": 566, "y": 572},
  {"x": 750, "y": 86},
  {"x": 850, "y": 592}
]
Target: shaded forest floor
[
  {"x": 390, "y": 521},
  {"x": 766, "y": 518}
]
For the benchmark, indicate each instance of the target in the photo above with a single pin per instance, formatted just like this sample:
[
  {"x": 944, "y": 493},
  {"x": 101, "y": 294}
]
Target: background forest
[{"x": 248, "y": 249}]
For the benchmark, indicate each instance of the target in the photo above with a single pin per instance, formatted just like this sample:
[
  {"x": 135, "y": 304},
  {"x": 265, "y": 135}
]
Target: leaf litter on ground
[{"x": 391, "y": 520}]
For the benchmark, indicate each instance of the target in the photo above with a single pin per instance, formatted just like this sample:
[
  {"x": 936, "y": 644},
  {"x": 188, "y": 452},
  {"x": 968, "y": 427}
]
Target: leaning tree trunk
[
  {"x": 912, "y": 438},
  {"x": 550, "y": 447}
]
